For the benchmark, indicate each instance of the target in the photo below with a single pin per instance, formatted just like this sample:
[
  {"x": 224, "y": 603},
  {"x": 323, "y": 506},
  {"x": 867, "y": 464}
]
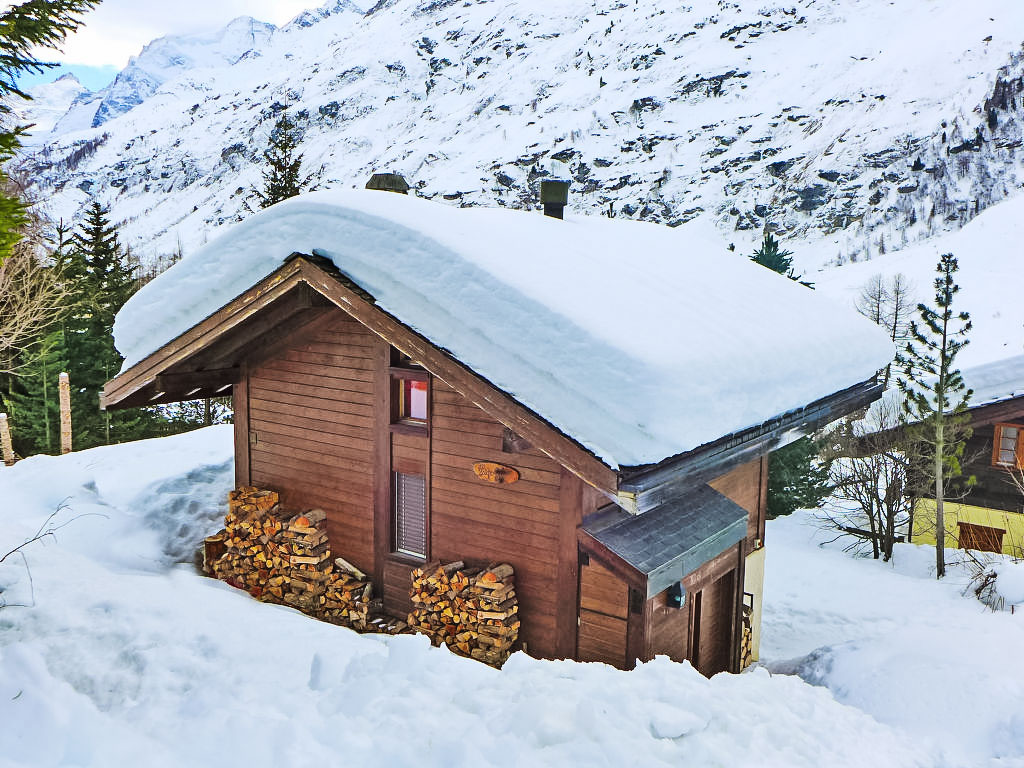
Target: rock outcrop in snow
[{"x": 859, "y": 124}]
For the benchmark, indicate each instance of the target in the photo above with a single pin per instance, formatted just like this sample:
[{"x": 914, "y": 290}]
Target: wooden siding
[
  {"x": 603, "y": 617},
  {"x": 311, "y": 409},
  {"x": 480, "y": 522},
  {"x": 747, "y": 486},
  {"x": 994, "y": 489}
]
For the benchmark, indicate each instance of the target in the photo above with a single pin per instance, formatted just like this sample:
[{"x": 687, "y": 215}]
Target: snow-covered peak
[
  {"x": 168, "y": 57},
  {"x": 50, "y": 102},
  {"x": 313, "y": 16}
]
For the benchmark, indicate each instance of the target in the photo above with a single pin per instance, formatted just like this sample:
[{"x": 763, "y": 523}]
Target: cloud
[{"x": 118, "y": 29}]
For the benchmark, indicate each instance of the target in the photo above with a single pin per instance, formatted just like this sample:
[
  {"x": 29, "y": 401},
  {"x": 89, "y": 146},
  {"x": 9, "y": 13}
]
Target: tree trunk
[{"x": 940, "y": 522}]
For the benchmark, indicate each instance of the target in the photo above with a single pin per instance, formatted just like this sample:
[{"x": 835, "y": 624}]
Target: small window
[
  {"x": 410, "y": 514},
  {"x": 412, "y": 400},
  {"x": 1008, "y": 449}
]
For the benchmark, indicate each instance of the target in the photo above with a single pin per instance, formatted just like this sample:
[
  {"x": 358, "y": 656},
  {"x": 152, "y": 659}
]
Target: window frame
[
  {"x": 400, "y": 422},
  {"x": 1018, "y": 462},
  {"x": 396, "y": 548}
]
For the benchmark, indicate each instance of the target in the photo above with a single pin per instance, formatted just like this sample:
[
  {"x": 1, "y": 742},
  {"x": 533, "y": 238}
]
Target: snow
[
  {"x": 129, "y": 658},
  {"x": 989, "y": 257},
  {"x": 854, "y": 89},
  {"x": 919, "y": 655},
  {"x": 603, "y": 327}
]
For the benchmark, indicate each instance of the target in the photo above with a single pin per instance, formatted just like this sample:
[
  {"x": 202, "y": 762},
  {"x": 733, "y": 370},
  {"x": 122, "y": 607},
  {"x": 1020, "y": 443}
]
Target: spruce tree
[
  {"x": 96, "y": 270},
  {"x": 934, "y": 394},
  {"x": 772, "y": 256},
  {"x": 25, "y": 28},
  {"x": 282, "y": 177}
]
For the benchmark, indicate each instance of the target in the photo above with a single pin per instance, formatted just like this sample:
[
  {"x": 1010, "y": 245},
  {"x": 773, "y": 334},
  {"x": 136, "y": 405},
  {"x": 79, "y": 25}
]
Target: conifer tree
[
  {"x": 934, "y": 394},
  {"x": 770, "y": 255},
  {"x": 24, "y": 28},
  {"x": 96, "y": 270},
  {"x": 283, "y": 177}
]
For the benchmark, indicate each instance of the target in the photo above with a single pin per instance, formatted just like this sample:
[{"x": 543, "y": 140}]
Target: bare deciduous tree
[
  {"x": 872, "y": 477},
  {"x": 888, "y": 303},
  {"x": 31, "y": 295}
]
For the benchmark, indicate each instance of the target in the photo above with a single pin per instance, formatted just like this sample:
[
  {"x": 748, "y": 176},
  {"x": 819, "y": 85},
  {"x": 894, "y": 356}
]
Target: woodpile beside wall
[
  {"x": 287, "y": 559},
  {"x": 472, "y": 611}
]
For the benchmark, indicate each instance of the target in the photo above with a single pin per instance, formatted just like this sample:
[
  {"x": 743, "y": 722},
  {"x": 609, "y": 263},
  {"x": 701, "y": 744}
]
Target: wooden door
[
  {"x": 713, "y": 625},
  {"x": 603, "y": 615}
]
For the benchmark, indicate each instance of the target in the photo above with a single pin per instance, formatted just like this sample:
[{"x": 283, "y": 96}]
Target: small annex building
[
  {"x": 631, "y": 377},
  {"x": 991, "y": 516}
]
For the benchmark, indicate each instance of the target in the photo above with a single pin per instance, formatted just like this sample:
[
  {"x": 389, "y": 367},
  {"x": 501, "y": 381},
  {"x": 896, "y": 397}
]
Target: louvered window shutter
[{"x": 410, "y": 514}]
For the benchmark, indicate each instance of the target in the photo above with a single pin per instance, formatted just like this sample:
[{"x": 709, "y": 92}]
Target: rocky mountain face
[{"x": 858, "y": 126}]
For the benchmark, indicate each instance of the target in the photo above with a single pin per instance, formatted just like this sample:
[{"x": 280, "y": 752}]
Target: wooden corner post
[
  {"x": 65, "y": 414},
  {"x": 5, "y": 441}
]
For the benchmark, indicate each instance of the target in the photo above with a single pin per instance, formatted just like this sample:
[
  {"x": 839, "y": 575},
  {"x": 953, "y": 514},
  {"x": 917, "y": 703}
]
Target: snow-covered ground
[{"x": 128, "y": 657}]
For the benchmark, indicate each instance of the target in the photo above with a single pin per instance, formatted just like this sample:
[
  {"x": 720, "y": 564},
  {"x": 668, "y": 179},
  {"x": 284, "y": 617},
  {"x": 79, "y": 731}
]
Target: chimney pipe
[
  {"x": 554, "y": 194},
  {"x": 388, "y": 182}
]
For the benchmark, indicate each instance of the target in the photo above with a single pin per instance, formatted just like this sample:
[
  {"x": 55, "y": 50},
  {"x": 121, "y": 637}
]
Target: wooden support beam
[
  {"x": 65, "y": 413},
  {"x": 5, "y": 441}
]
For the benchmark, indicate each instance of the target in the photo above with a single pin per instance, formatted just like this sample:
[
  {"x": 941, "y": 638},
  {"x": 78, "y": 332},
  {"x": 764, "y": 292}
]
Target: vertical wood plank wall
[
  {"x": 477, "y": 521},
  {"x": 311, "y": 408},
  {"x": 604, "y": 615}
]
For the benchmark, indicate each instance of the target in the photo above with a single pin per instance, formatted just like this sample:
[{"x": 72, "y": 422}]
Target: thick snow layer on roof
[
  {"x": 639, "y": 341},
  {"x": 996, "y": 381}
]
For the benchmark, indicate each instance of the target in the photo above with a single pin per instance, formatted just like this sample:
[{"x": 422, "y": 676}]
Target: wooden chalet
[
  {"x": 991, "y": 515},
  {"x": 442, "y": 412}
]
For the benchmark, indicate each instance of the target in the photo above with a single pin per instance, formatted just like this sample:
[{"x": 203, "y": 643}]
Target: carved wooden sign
[{"x": 495, "y": 473}]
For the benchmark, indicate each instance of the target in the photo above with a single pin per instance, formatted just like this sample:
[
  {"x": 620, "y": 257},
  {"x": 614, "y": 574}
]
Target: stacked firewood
[
  {"x": 287, "y": 559},
  {"x": 471, "y": 610}
]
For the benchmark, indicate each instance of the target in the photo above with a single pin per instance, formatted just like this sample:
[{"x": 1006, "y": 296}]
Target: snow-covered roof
[
  {"x": 996, "y": 381},
  {"x": 639, "y": 341}
]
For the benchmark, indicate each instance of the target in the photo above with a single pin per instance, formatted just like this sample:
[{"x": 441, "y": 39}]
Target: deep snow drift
[
  {"x": 125, "y": 653},
  {"x": 127, "y": 658}
]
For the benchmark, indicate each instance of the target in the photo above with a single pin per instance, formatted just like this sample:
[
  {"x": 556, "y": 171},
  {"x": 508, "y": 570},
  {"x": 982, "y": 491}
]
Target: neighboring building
[
  {"x": 991, "y": 516},
  {"x": 591, "y": 400}
]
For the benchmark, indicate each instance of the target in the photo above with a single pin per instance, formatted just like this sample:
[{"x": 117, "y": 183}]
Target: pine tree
[
  {"x": 25, "y": 28},
  {"x": 33, "y": 404},
  {"x": 282, "y": 178},
  {"x": 934, "y": 394},
  {"x": 95, "y": 268},
  {"x": 796, "y": 480},
  {"x": 771, "y": 256}
]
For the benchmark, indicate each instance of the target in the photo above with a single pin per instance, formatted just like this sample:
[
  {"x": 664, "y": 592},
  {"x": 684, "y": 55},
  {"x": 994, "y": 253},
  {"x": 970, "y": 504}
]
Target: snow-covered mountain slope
[
  {"x": 858, "y": 126},
  {"x": 112, "y": 648},
  {"x": 50, "y": 103}
]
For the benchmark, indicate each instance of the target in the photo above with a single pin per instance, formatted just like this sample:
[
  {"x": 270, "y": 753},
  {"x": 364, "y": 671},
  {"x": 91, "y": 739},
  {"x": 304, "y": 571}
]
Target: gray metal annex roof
[{"x": 674, "y": 539}]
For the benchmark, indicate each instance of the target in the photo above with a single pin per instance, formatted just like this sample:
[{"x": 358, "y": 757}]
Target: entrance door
[
  {"x": 713, "y": 626},
  {"x": 603, "y": 614}
]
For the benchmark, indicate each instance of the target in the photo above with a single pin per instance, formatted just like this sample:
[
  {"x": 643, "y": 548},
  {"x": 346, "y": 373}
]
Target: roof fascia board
[
  {"x": 143, "y": 373},
  {"x": 645, "y": 489}
]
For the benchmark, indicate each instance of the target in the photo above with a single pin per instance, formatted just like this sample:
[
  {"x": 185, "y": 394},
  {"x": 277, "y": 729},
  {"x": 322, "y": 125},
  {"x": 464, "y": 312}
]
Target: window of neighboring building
[
  {"x": 980, "y": 537},
  {"x": 410, "y": 514},
  {"x": 1008, "y": 449}
]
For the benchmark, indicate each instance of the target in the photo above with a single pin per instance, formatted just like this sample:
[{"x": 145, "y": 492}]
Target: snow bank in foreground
[
  {"x": 128, "y": 660},
  {"x": 920, "y": 655}
]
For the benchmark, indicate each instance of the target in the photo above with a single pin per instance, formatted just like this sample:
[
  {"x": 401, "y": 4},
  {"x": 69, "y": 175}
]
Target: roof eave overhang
[
  {"x": 643, "y": 488},
  {"x": 133, "y": 386}
]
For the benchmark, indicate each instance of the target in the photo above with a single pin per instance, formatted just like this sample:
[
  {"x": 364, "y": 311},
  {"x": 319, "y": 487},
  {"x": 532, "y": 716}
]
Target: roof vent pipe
[
  {"x": 388, "y": 182},
  {"x": 554, "y": 194}
]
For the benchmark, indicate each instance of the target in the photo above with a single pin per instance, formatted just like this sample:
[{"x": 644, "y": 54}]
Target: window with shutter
[
  {"x": 1008, "y": 448},
  {"x": 410, "y": 514}
]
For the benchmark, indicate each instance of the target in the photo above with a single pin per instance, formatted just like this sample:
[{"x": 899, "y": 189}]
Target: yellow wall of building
[
  {"x": 1011, "y": 522},
  {"x": 753, "y": 582}
]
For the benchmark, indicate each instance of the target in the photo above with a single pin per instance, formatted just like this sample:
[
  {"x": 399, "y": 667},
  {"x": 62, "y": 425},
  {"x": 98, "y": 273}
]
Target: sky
[{"x": 118, "y": 29}]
